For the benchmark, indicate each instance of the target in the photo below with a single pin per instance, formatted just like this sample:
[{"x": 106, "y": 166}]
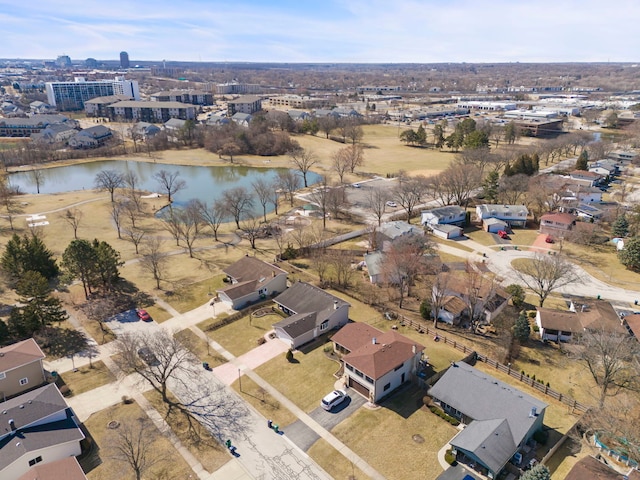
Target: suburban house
[
  {"x": 559, "y": 325},
  {"x": 251, "y": 280},
  {"x": 459, "y": 289},
  {"x": 590, "y": 468},
  {"x": 145, "y": 130},
  {"x": 312, "y": 312},
  {"x": 448, "y": 215},
  {"x": 55, "y": 133},
  {"x": 632, "y": 324},
  {"x": 576, "y": 193},
  {"x": 38, "y": 427},
  {"x": 557, "y": 223},
  {"x": 589, "y": 212},
  {"x": 242, "y": 119},
  {"x": 447, "y": 231},
  {"x": 376, "y": 362},
  {"x": 591, "y": 178},
  {"x": 512, "y": 215},
  {"x": 20, "y": 368},
  {"x": 606, "y": 168},
  {"x": 66, "y": 468},
  {"x": 91, "y": 137},
  {"x": 500, "y": 419},
  {"x": 389, "y": 232},
  {"x": 622, "y": 156}
]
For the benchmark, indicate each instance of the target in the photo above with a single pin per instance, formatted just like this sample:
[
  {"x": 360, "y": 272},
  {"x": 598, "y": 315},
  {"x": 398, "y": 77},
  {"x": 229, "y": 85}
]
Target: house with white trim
[
  {"x": 512, "y": 215},
  {"x": 21, "y": 368}
]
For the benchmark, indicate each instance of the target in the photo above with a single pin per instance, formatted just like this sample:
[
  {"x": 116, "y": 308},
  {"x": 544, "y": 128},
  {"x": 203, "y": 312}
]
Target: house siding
[
  {"x": 10, "y": 385},
  {"x": 49, "y": 454}
]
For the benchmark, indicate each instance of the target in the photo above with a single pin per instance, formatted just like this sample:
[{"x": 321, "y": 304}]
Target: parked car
[
  {"x": 549, "y": 239},
  {"x": 143, "y": 315},
  {"x": 148, "y": 356},
  {"x": 503, "y": 234},
  {"x": 332, "y": 399},
  {"x": 355, "y": 185},
  {"x": 392, "y": 204}
]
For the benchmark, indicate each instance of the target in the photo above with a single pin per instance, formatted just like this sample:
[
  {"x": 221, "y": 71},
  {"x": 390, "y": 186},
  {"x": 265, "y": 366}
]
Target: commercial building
[
  {"x": 234, "y": 88},
  {"x": 124, "y": 60},
  {"x": 298, "y": 101},
  {"x": 152, "y": 112},
  {"x": 72, "y": 95}
]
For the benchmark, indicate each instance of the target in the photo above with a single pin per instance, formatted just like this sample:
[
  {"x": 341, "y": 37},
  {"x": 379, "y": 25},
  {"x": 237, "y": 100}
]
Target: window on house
[
  {"x": 368, "y": 379},
  {"x": 387, "y": 387},
  {"x": 34, "y": 461},
  {"x": 24, "y": 381},
  {"x": 2, "y": 375},
  {"x": 324, "y": 325},
  {"x": 349, "y": 367}
]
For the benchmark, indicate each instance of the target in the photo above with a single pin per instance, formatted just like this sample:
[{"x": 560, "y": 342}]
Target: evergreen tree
[
  {"x": 476, "y": 139},
  {"x": 4, "y": 332},
  {"x": 539, "y": 472},
  {"x": 629, "y": 256},
  {"x": 517, "y": 294},
  {"x": 39, "y": 308},
  {"x": 421, "y": 136},
  {"x": 79, "y": 260},
  {"x": 620, "y": 228},
  {"x": 438, "y": 134},
  {"x": 510, "y": 133},
  {"x": 583, "y": 161},
  {"x": 28, "y": 253},
  {"x": 107, "y": 263},
  {"x": 490, "y": 186},
  {"x": 522, "y": 329},
  {"x": 425, "y": 309}
]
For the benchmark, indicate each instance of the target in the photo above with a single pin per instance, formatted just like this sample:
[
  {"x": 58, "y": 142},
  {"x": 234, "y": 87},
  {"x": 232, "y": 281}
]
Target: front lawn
[
  {"x": 86, "y": 378},
  {"x": 334, "y": 464},
  {"x": 401, "y": 440},
  {"x": 199, "y": 348},
  {"x": 172, "y": 464},
  {"x": 241, "y": 336},
  {"x": 305, "y": 380},
  {"x": 263, "y": 402},
  {"x": 188, "y": 297}
]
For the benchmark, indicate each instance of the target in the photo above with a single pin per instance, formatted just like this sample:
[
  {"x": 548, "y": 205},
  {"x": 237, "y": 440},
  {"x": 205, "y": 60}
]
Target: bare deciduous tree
[
  {"x": 212, "y": 215},
  {"x": 303, "y": 160},
  {"x": 340, "y": 163},
  {"x": 109, "y": 180},
  {"x": 459, "y": 181},
  {"x": 153, "y": 260},
  {"x": 320, "y": 196},
  {"x": 171, "y": 224},
  {"x": 341, "y": 263},
  {"x": 377, "y": 199},
  {"x": 117, "y": 211},
  {"x": 73, "y": 217},
  {"x": 132, "y": 444},
  {"x": 289, "y": 182},
  {"x": 37, "y": 177},
  {"x": 252, "y": 229},
  {"x": 263, "y": 191},
  {"x": 169, "y": 183},
  {"x": 337, "y": 201},
  {"x": 408, "y": 193},
  {"x": 237, "y": 202},
  {"x": 612, "y": 361},
  {"x": 134, "y": 235},
  {"x": 545, "y": 273},
  {"x": 131, "y": 182}
]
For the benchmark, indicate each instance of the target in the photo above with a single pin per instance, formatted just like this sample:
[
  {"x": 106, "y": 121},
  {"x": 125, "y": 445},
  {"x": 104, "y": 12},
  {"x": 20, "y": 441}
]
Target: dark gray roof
[
  {"x": 97, "y": 131},
  {"x": 302, "y": 297},
  {"x": 22, "y": 441},
  {"x": 490, "y": 440},
  {"x": 31, "y": 407},
  {"x": 482, "y": 397},
  {"x": 297, "y": 325},
  {"x": 446, "y": 211},
  {"x": 175, "y": 123}
]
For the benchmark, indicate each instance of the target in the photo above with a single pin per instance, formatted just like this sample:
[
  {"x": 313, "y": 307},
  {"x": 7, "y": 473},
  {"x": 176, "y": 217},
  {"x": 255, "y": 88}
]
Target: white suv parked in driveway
[{"x": 334, "y": 398}]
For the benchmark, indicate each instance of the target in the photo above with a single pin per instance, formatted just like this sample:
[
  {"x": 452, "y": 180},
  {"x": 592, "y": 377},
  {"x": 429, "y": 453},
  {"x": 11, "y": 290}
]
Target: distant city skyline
[{"x": 332, "y": 31}]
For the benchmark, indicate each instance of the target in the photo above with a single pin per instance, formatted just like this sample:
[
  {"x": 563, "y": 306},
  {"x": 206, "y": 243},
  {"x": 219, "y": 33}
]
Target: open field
[
  {"x": 402, "y": 439},
  {"x": 171, "y": 465},
  {"x": 87, "y": 378}
]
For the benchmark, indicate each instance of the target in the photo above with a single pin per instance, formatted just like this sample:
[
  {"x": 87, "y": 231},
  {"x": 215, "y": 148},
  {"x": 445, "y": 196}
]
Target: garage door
[{"x": 358, "y": 387}]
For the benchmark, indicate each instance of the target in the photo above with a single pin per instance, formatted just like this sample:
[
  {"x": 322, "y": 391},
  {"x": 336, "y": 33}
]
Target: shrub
[
  {"x": 289, "y": 355},
  {"x": 535, "y": 328},
  {"x": 532, "y": 313},
  {"x": 449, "y": 457},
  {"x": 541, "y": 436},
  {"x": 65, "y": 391},
  {"x": 262, "y": 341},
  {"x": 425, "y": 309}
]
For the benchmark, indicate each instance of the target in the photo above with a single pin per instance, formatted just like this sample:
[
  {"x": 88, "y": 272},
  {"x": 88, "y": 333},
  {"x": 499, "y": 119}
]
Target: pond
[{"x": 204, "y": 183}]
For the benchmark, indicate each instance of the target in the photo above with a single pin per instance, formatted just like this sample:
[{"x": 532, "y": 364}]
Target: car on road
[
  {"x": 549, "y": 239},
  {"x": 355, "y": 185},
  {"x": 334, "y": 398},
  {"x": 503, "y": 234},
  {"x": 148, "y": 356},
  {"x": 392, "y": 204},
  {"x": 143, "y": 315}
]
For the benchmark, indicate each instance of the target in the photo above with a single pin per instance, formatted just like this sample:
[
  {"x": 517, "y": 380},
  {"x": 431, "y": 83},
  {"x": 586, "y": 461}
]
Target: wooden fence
[{"x": 541, "y": 387}]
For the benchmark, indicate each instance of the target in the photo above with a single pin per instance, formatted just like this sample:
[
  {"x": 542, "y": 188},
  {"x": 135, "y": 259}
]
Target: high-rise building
[
  {"x": 124, "y": 60},
  {"x": 63, "y": 61},
  {"x": 72, "y": 95},
  {"x": 91, "y": 63}
]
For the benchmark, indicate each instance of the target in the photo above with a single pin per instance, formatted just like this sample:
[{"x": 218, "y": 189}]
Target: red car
[
  {"x": 503, "y": 234},
  {"x": 143, "y": 315},
  {"x": 549, "y": 239}
]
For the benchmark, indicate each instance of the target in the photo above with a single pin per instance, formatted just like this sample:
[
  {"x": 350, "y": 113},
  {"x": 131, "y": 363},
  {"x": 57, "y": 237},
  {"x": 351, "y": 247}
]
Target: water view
[{"x": 204, "y": 183}]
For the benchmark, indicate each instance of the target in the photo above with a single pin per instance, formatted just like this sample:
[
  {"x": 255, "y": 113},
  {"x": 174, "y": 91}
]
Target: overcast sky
[{"x": 390, "y": 31}]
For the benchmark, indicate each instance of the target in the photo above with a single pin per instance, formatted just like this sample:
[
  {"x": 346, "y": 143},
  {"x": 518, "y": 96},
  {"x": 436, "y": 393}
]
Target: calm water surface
[{"x": 203, "y": 183}]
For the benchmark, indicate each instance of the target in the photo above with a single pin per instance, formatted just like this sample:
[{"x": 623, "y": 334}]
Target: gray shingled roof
[
  {"x": 490, "y": 440},
  {"x": 30, "y": 407},
  {"x": 302, "y": 297},
  {"x": 482, "y": 397},
  {"x": 297, "y": 325},
  {"x": 446, "y": 211}
]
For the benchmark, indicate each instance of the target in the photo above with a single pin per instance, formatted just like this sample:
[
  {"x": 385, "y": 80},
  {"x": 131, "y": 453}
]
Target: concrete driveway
[{"x": 300, "y": 434}]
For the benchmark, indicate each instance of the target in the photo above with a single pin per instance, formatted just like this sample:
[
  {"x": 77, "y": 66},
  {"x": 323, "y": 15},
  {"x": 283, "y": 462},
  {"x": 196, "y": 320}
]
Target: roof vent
[
  {"x": 30, "y": 402},
  {"x": 373, "y": 340},
  {"x": 533, "y": 412}
]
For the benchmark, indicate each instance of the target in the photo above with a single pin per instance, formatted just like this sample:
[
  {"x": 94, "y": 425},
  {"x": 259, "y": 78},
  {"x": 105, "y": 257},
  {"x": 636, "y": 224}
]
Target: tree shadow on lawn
[{"x": 405, "y": 401}]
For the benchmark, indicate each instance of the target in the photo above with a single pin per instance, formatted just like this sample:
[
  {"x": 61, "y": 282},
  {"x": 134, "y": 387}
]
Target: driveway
[
  {"x": 457, "y": 473},
  {"x": 300, "y": 434}
]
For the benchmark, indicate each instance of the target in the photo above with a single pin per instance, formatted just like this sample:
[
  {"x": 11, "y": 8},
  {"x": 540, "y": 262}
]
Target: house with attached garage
[
  {"x": 499, "y": 419},
  {"x": 562, "y": 325},
  {"x": 512, "y": 215},
  {"x": 20, "y": 368},
  {"x": 447, "y": 215},
  {"x": 376, "y": 362},
  {"x": 36, "y": 427},
  {"x": 251, "y": 280},
  {"x": 311, "y": 312}
]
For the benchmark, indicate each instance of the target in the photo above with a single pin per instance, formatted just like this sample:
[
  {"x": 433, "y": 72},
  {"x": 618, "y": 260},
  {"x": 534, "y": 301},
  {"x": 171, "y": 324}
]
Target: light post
[{"x": 240, "y": 379}]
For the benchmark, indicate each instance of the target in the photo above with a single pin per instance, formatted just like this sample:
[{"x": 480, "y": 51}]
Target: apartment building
[
  {"x": 67, "y": 96},
  {"x": 194, "y": 97},
  {"x": 245, "y": 104},
  {"x": 152, "y": 112}
]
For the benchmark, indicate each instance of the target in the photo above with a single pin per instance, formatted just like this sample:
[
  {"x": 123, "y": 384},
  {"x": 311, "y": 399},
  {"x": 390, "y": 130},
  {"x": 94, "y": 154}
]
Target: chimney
[
  {"x": 12, "y": 424},
  {"x": 373, "y": 340},
  {"x": 335, "y": 304},
  {"x": 414, "y": 349},
  {"x": 533, "y": 412}
]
